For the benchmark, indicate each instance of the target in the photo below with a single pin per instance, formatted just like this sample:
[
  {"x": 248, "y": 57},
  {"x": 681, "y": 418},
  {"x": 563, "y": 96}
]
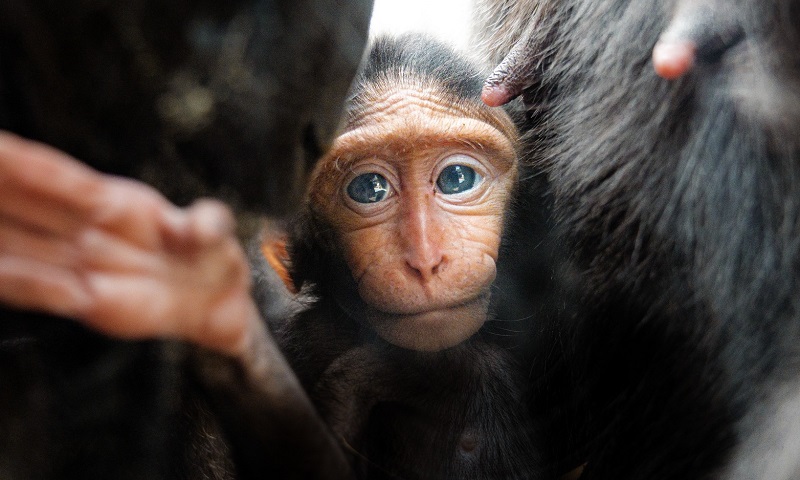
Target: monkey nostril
[{"x": 426, "y": 267}]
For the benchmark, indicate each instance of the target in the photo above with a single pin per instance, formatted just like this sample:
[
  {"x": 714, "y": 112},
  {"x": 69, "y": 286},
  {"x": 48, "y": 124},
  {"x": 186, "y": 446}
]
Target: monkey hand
[{"x": 117, "y": 256}]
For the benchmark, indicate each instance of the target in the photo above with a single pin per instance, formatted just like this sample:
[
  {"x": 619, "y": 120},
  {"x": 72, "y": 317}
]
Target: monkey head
[{"x": 415, "y": 190}]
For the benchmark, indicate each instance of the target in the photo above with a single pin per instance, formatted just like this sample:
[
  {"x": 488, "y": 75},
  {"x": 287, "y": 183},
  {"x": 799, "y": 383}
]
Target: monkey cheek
[{"x": 434, "y": 330}]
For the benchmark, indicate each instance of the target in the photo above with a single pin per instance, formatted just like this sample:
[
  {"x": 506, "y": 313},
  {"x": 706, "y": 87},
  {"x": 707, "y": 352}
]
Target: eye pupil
[
  {"x": 456, "y": 179},
  {"x": 368, "y": 188}
]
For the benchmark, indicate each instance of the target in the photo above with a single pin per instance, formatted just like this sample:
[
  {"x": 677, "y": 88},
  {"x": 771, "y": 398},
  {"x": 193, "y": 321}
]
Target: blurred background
[{"x": 448, "y": 20}]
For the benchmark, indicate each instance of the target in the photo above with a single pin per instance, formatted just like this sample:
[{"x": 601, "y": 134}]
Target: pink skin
[
  {"x": 673, "y": 56},
  {"x": 673, "y": 59},
  {"x": 117, "y": 256},
  {"x": 495, "y": 96},
  {"x": 695, "y": 26},
  {"x": 510, "y": 77}
]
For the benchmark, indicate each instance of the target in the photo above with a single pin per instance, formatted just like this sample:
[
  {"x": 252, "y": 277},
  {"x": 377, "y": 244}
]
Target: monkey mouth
[
  {"x": 431, "y": 329},
  {"x": 434, "y": 308}
]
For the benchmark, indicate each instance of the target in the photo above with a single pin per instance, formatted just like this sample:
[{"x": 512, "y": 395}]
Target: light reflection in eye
[
  {"x": 457, "y": 179},
  {"x": 368, "y": 188}
]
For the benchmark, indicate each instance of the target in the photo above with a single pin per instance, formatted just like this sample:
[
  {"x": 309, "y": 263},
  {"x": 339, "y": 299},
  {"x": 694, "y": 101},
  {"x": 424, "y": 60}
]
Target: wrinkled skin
[
  {"x": 434, "y": 252},
  {"x": 395, "y": 253}
]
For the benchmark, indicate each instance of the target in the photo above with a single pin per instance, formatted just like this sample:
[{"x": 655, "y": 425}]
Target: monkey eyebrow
[
  {"x": 467, "y": 132},
  {"x": 473, "y": 144},
  {"x": 343, "y": 165}
]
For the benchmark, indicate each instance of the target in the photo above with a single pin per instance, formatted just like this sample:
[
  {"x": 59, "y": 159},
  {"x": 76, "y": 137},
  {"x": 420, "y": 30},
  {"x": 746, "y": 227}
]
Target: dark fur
[
  {"x": 679, "y": 201},
  {"x": 107, "y": 82},
  {"x": 417, "y": 55},
  {"x": 404, "y": 414},
  {"x": 198, "y": 98}
]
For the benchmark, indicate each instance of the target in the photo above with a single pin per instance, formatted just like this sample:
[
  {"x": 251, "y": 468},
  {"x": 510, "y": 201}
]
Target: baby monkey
[
  {"x": 394, "y": 252},
  {"x": 411, "y": 198},
  {"x": 398, "y": 244}
]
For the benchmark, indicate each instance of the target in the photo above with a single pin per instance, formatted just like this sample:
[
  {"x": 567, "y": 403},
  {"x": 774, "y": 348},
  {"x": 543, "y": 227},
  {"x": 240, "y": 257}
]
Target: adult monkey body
[
  {"x": 680, "y": 201},
  {"x": 197, "y": 98}
]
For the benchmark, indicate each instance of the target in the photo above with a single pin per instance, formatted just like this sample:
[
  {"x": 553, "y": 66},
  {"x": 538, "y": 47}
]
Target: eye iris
[
  {"x": 368, "y": 188},
  {"x": 457, "y": 179}
]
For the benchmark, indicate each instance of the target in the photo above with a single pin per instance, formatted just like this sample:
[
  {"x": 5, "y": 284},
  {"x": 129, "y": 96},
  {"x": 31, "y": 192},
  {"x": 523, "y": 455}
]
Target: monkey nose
[{"x": 425, "y": 261}]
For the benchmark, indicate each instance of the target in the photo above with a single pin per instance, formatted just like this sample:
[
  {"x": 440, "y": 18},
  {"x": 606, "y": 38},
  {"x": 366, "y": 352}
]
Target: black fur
[
  {"x": 678, "y": 201},
  {"x": 413, "y": 55},
  {"x": 233, "y": 99},
  {"x": 110, "y": 83}
]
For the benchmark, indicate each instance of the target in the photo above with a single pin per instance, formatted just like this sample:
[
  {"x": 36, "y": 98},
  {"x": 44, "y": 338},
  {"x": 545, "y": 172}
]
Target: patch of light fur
[{"x": 772, "y": 452}]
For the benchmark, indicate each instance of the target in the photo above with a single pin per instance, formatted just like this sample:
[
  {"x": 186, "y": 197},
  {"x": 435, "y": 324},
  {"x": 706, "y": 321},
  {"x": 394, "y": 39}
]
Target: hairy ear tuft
[{"x": 277, "y": 256}]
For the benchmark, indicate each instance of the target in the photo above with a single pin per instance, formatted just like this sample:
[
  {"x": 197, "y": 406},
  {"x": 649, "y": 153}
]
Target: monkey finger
[
  {"x": 53, "y": 192},
  {"x": 33, "y": 285},
  {"x": 32, "y": 167},
  {"x": 136, "y": 307},
  {"x": 38, "y": 213},
  {"x": 204, "y": 271},
  {"x": 139, "y": 307},
  {"x": 101, "y": 251},
  {"x": 134, "y": 211},
  {"x": 205, "y": 223},
  {"x": 672, "y": 60},
  {"x": 513, "y": 75},
  {"x": 215, "y": 268},
  {"x": 18, "y": 241}
]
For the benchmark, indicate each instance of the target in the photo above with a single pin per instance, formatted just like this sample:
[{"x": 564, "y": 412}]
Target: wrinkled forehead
[
  {"x": 401, "y": 97},
  {"x": 400, "y": 121}
]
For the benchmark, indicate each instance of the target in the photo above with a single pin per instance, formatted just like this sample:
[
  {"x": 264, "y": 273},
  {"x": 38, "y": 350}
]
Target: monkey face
[{"x": 416, "y": 193}]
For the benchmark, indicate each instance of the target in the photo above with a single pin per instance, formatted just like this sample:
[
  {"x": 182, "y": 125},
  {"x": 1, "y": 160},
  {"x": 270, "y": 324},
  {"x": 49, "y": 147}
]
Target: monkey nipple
[
  {"x": 468, "y": 443},
  {"x": 673, "y": 59}
]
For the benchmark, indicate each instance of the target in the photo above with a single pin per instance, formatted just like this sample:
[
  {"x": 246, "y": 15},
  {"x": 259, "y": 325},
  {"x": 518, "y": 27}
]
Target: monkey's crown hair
[
  {"x": 421, "y": 61},
  {"x": 422, "y": 56}
]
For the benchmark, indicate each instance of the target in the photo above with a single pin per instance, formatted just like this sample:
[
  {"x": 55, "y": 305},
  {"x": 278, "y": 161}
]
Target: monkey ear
[{"x": 273, "y": 248}]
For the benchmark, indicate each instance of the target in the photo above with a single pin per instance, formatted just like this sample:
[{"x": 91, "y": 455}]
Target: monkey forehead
[
  {"x": 412, "y": 120},
  {"x": 383, "y": 103}
]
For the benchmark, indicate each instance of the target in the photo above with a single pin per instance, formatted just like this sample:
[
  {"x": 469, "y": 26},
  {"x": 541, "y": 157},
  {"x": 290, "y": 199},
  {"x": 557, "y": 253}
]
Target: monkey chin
[{"x": 433, "y": 330}]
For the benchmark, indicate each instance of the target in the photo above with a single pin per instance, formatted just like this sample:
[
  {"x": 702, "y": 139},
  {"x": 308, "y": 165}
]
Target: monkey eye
[
  {"x": 457, "y": 178},
  {"x": 368, "y": 188}
]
